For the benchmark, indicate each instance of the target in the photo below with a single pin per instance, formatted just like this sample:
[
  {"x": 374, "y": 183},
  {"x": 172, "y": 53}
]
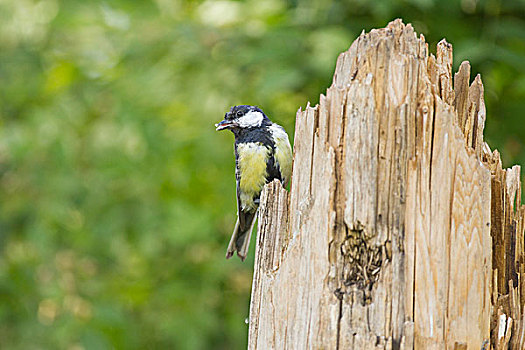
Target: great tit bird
[{"x": 262, "y": 154}]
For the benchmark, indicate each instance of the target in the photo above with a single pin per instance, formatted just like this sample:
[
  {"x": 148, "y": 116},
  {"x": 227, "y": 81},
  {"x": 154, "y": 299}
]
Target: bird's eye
[{"x": 239, "y": 114}]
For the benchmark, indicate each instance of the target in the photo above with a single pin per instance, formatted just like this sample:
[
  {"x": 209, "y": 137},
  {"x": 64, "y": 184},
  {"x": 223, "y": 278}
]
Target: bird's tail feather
[{"x": 240, "y": 241}]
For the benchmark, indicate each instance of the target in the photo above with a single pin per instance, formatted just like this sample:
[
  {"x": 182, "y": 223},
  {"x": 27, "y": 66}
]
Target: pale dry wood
[
  {"x": 461, "y": 88},
  {"x": 444, "y": 71},
  {"x": 402, "y": 230},
  {"x": 508, "y": 253}
]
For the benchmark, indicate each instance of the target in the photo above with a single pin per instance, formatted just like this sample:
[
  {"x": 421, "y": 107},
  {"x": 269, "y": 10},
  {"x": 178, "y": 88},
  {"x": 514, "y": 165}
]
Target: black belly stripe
[{"x": 272, "y": 169}]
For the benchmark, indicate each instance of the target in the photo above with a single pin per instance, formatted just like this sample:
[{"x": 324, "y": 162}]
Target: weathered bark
[{"x": 401, "y": 229}]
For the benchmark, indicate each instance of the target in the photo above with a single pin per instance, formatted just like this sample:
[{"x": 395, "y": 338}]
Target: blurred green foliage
[{"x": 117, "y": 195}]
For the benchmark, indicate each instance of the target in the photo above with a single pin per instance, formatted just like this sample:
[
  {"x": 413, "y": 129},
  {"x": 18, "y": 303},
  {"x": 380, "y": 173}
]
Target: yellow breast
[{"x": 252, "y": 169}]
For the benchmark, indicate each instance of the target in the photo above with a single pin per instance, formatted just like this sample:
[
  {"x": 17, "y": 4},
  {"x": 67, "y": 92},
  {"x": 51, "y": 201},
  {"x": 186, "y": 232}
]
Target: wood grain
[{"x": 401, "y": 229}]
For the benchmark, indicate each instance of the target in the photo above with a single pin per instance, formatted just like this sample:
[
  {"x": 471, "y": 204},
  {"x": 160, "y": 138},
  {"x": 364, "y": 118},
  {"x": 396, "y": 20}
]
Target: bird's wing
[{"x": 283, "y": 152}]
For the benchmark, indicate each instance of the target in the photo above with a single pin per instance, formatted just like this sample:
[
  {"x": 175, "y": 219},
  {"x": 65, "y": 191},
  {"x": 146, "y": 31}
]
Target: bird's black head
[{"x": 243, "y": 117}]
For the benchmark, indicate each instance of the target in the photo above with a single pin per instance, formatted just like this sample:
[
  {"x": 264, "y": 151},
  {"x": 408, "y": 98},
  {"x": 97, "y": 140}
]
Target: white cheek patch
[{"x": 251, "y": 119}]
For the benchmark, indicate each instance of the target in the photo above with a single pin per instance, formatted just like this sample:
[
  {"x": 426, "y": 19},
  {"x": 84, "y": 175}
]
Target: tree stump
[{"x": 401, "y": 229}]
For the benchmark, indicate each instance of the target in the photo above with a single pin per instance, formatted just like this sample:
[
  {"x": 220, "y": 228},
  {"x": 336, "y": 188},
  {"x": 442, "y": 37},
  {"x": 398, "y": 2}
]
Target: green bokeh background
[{"x": 116, "y": 193}]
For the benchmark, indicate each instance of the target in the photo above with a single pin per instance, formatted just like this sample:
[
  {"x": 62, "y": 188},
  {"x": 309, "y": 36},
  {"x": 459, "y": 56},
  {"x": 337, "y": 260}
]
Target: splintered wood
[{"x": 401, "y": 230}]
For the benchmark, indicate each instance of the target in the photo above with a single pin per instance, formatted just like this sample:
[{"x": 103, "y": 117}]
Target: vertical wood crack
[{"x": 340, "y": 316}]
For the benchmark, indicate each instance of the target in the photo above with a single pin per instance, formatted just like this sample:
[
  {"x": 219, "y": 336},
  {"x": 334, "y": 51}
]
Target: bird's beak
[{"x": 225, "y": 124}]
